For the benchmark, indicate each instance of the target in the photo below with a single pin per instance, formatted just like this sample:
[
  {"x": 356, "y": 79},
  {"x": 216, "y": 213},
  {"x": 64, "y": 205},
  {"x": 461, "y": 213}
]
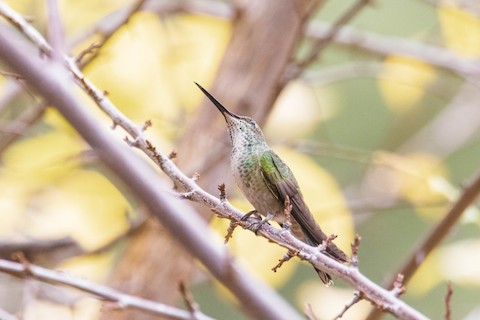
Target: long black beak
[{"x": 217, "y": 104}]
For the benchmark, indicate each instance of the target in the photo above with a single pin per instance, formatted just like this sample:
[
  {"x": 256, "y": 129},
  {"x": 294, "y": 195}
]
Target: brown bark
[{"x": 249, "y": 80}]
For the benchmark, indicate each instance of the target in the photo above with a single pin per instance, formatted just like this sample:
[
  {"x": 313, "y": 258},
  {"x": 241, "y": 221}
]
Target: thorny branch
[
  {"x": 323, "y": 42},
  {"x": 24, "y": 269}
]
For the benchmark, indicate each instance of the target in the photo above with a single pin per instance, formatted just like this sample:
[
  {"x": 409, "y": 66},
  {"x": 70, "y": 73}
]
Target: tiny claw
[
  {"x": 249, "y": 214},
  {"x": 262, "y": 222}
]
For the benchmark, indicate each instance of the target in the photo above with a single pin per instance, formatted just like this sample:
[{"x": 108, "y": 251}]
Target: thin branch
[
  {"x": 56, "y": 34},
  {"x": 322, "y": 43},
  {"x": 21, "y": 124},
  {"x": 106, "y": 33},
  {"x": 123, "y": 301},
  {"x": 448, "y": 301},
  {"x": 434, "y": 237},
  {"x": 385, "y": 46},
  {"x": 357, "y": 296},
  {"x": 439, "y": 231},
  {"x": 192, "y": 305},
  {"x": 65, "y": 247}
]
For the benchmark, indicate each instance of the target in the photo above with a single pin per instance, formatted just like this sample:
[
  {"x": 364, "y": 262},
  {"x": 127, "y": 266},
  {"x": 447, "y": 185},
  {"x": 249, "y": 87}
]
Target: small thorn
[
  {"x": 196, "y": 177},
  {"x": 147, "y": 125},
  {"x": 172, "y": 155}
]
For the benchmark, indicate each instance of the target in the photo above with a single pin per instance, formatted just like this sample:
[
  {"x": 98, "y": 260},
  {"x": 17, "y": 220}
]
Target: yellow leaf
[
  {"x": 461, "y": 30},
  {"x": 158, "y": 61},
  {"x": 43, "y": 158},
  {"x": 84, "y": 205},
  {"x": 403, "y": 82},
  {"x": 327, "y": 302},
  {"x": 455, "y": 262},
  {"x": 419, "y": 178},
  {"x": 297, "y": 108}
]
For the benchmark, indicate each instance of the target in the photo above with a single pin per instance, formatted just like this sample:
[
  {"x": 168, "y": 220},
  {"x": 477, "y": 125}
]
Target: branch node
[
  {"x": 20, "y": 257},
  {"x": 326, "y": 243},
  {"x": 89, "y": 50},
  {"x": 357, "y": 296},
  {"x": 398, "y": 288},
  {"x": 355, "y": 247},
  {"x": 289, "y": 255},
  {"x": 148, "y": 123},
  {"x": 172, "y": 155},
  {"x": 196, "y": 177}
]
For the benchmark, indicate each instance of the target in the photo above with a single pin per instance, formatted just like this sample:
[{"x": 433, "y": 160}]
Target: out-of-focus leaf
[
  {"x": 41, "y": 159},
  {"x": 403, "y": 82},
  {"x": 158, "y": 61},
  {"x": 456, "y": 262},
  {"x": 461, "y": 29},
  {"x": 84, "y": 205},
  {"x": 419, "y": 178},
  {"x": 297, "y": 108}
]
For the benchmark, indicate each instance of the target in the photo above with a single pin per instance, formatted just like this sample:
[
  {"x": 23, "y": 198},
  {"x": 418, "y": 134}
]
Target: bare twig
[
  {"x": 289, "y": 255},
  {"x": 309, "y": 312},
  {"x": 323, "y": 42},
  {"x": 398, "y": 288},
  {"x": 191, "y": 304},
  {"x": 355, "y": 247},
  {"x": 448, "y": 301},
  {"x": 124, "y": 301},
  {"x": 107, "y": 32},
  {"x": 357, "y": 296},
  {"x": 68, "y": 246},
  {"x": 384, "y": 46}
]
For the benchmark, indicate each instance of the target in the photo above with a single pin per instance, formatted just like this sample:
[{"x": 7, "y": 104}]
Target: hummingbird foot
[
  {"x": 262, "y": 222},
  {"x": 249, "y": 214}
]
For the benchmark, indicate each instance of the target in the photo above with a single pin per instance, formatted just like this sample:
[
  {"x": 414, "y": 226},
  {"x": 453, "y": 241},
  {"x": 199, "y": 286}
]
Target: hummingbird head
[{"x": 244, "y": 131}]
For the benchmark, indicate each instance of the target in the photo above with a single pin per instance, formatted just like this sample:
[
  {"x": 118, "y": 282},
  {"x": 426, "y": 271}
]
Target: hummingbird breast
[{"x": 247, "y": 172}]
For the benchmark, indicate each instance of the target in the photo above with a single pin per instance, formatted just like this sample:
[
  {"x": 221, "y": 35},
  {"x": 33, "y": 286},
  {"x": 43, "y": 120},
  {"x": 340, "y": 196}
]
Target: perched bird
[{"x": 266, "y": 181}]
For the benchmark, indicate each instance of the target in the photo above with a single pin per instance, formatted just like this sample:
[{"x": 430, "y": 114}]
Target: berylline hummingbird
[{"x": 266, "y": 181}]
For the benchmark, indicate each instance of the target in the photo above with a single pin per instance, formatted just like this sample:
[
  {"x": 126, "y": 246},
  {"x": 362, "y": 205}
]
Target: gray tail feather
[{"x": 325, "y": 277}]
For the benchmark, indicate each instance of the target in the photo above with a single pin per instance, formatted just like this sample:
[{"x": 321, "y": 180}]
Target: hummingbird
[{"x": 266, "y": 181}]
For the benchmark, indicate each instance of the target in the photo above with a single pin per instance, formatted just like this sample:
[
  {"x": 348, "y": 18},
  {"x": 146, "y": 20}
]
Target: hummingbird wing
[{"x": 281, "y": 182}]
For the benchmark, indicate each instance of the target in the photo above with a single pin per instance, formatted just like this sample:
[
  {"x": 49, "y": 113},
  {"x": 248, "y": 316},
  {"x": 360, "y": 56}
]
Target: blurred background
[{"x": 381, "y": 128}]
